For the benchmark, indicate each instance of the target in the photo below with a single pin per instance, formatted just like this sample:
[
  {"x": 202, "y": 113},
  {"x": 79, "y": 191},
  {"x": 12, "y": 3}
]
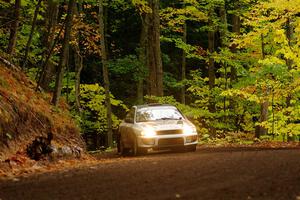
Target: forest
[{"x": 231, "y": 66}]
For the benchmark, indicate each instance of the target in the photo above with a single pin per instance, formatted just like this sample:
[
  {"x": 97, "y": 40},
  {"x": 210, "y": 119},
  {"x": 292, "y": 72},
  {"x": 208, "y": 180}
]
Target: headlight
[
  {"x": 148, "y": 132},
  {"x": 189, "y": 130}
]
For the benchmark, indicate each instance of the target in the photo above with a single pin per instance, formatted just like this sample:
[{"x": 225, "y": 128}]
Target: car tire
[
  {"x": 137, "y": 151},
  {"x": 123, "y": 151},
  {"x": 191, "y": 148}
]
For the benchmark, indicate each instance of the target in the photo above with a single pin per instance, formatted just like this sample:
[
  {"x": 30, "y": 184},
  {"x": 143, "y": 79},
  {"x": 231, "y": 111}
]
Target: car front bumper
[{"x": 167, "y": 141}]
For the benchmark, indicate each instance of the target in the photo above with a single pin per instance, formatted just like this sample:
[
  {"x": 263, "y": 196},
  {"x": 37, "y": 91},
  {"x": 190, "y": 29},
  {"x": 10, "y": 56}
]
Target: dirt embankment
[{"x": 26, "y": 114}]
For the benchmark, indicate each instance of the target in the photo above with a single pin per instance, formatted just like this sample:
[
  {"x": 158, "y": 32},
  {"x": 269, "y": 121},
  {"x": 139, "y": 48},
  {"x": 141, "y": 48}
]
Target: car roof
[{"x": 153, "y": 105}]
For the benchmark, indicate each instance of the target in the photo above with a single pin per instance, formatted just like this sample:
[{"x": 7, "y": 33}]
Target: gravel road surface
[{"x": 216, "y": 173}]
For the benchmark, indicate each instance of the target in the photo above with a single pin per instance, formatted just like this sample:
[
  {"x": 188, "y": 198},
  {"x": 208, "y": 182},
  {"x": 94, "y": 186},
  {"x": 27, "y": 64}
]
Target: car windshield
[{"x": 157, "y": 113}]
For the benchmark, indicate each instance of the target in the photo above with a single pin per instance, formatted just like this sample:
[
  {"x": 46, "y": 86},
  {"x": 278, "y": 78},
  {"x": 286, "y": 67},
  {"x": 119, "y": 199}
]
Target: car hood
[{"x": 166, "y": 124}]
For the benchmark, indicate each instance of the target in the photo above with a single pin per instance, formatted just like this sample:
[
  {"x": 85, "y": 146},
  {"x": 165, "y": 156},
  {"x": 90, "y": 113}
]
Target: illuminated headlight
[
  {"x": 148, "y": 132},
  {"x": 192, "y": 138},
  {"x": 187, "y": 130}
]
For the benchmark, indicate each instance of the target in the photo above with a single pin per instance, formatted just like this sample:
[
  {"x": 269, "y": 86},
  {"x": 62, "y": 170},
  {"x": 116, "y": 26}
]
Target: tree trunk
[
  {"x": 236, "y": 28},
  {"x": 211, "y": 63},
  {"x": 105, "y": 75},
  {"x": 51, "y": 22},
  {"x": 265, "y": 104},
  {"x": 14, "y": 29},
  {"x": 48, "y": 70},
  {"x": 211, "y": 68},
  {"x": 142, "y": 58},
  {"x": 263, "y": 47},
  {"x": 64, "y": 54},
  {"x": 48, "y": 67},
  {"x": 223, "y": 38},
  {"x": 223, "y": 26},
  {"x": 263, "y": 117},
  {"x": 155, "y": 82},
  {"x": 78, "y": 66},
  {"x": 183, "y": 64},
  {"x": 289, "y": 62},
  {"x": 33, "y": 24}
]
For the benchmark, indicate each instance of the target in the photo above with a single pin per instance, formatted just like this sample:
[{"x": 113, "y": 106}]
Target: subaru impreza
[{"x": 156, "y": 127}]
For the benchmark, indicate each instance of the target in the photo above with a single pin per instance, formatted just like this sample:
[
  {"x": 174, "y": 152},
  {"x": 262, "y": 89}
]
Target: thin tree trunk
[
  {"x": 14, "y": 29},
  {"x": 263, "y": 117},
  {"x": 105, "y": 75},
  {"x": 236, "y": 28},
  {"x": 157, "y": 49},
  {"x": 289, "y": 32},
  {"x": 78, "y": 66},
  {"x": 211, "y": 69},
  {"x": 142, "y": 58},
  {"x": 106, "y": 22},
  {"x": 223, "y": 32},
  {"x": 51, "y": 22},
  {"x": 263, "y": 47},
  {"x": 154, "y": 51},
  {"x": 47, "y": 68},
  {"x": 67, "y": 77},
  {"x": 211, "y": 63},
  {"x": 224, "y": 26},
  {"x": 265, "y": 104},
  {"x": 289, "y": 62},
  {"x": 64, "y": 53},
  {"x": 140, "y": 91},
  {"x": 78, "y": 69},
  {"x": 47, "y": 71},
  {"x": 33, "y": 24},
  {"x": 183, "y": 64}
]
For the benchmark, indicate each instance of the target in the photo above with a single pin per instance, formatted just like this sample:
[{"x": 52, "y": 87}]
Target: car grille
[
  {"x": 169, "y": 132},
  {"x": 170, "y": 141}
]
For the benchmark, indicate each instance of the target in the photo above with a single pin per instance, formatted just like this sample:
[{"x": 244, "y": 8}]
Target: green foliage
[
  {"x": 67, "y": 83},
  {"x": 32, "y": 73},
  {"x": 142, "y": 6},
  {"x": 271, "y": 76},
  {"x": 130, "y": 65},
  {"x": 228, "y": 139},
  {"x": 92, "y": 118}
]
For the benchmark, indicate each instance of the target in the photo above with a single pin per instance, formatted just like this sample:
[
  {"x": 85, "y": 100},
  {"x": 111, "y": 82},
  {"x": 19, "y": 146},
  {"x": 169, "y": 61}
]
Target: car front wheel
[
  {"x": 136, "y": 150},
  {"x": 191, "y": 148},
  {"x": 123, "y": 150}
]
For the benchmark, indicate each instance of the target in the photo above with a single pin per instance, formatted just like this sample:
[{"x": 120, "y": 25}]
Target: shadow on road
[
  {"x": 242, "y": 149},
  {"x": 114, "y": 154}
]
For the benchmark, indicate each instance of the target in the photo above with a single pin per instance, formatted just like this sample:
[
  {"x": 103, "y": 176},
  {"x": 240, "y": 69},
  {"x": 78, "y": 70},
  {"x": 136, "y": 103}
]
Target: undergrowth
[{"x": 26, "y": 114}]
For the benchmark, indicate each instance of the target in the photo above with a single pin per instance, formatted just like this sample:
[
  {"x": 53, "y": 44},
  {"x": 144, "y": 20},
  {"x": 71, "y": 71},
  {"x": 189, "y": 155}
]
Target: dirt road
[{"x": 204, "y": 174}]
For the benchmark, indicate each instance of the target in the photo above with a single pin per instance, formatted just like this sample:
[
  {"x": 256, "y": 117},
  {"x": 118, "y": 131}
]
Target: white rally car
[{"x": 156, "y": 126}]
